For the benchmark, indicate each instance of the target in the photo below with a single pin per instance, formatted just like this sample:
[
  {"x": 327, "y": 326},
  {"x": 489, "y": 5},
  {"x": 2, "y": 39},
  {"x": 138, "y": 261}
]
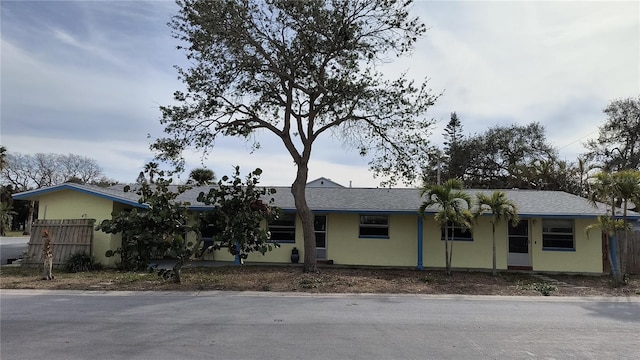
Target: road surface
[
  {"x": 229, "y": 325},
  {"x": 12, "y": 247}
]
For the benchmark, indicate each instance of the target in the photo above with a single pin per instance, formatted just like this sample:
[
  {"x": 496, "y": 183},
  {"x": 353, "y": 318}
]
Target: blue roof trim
[
  {"x": 328, "y": 211},
  {"x": 38, "y": 192},
  {"x": 573, "y": 216},
  {"x": 199, "y": 208}
]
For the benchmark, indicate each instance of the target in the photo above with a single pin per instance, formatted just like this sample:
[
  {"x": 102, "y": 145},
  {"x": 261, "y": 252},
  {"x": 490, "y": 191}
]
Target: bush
[
  {"x": 544, "y": 288},
  {"x": 81, "y": 262}
]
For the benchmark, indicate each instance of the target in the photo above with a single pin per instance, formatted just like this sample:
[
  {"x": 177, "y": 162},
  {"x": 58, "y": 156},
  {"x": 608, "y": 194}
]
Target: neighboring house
[
  {"x": 323, "y": 182},
  {"x": 381, "y": 227}
]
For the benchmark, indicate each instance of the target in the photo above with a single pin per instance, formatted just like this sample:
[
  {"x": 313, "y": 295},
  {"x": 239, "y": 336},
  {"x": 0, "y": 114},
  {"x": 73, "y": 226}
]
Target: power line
[{"x": 575, "y": 141}]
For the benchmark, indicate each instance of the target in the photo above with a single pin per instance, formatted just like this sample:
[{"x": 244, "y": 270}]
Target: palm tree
[
  {"x": 583, "y": 169},
  {"x": 202, "y": 176},
  {"x": 615, "y": 189},
  {"x": 628, "y": 189},
  {"x": 6, "y": 216},
  {"x": 152, "y": 169},
  {"x": 501, "y": 208},
  {"x": 609, "y": 226},
  {"x": 141, "y": 179},
  {"x": 454, "y": 208},
  {"x": 603, "y": 190}
]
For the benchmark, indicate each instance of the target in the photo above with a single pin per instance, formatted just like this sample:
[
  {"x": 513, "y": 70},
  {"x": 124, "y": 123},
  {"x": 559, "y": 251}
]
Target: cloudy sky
[{"x": 87, "y": 77}]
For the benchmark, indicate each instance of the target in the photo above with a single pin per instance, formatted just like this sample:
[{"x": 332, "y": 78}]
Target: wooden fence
[
  {"x": 68, "y": 237},
  {"x": 633, "y": 253}
]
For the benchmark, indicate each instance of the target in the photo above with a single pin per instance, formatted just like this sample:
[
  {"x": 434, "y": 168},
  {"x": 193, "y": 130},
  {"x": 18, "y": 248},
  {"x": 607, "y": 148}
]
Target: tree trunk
[
  {"x": 607, "y": 239},
  {"x": 614, "y": 246},
  {"x": 185, "y": 258},
  {"x": 624, "y": 247},
  {"x": 493, "y": 227},
  {"x": 27, "y": 225},
  {"x": 624, "y": 253},
  {"x": 447, "y": 263},
  {"x": 177, "y": 274},
  {"x": 298, "y": 189},
  {"x": 450, "y": 254}
]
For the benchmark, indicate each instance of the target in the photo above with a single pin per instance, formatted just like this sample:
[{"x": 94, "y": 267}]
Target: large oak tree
[
  {"x": 300, "y": 70},
  {"x": 618, "y": 144}
]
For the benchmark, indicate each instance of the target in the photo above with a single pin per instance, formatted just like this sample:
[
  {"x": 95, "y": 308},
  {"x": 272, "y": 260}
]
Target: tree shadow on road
[{"x": 627, "y": 311}]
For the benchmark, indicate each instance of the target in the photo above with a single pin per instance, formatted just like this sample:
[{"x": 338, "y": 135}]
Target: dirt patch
[{"x": 326, "y": 280}]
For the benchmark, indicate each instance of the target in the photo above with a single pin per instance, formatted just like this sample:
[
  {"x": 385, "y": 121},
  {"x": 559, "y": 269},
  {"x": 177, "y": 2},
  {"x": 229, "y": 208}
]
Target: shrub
[
  {"x": 81, "y": 262},
  {"x": 544, "y": 288}
]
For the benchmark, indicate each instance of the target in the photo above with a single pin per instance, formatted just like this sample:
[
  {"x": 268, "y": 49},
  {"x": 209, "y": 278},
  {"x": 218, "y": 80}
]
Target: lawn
[{"x": 329, "y": 279}]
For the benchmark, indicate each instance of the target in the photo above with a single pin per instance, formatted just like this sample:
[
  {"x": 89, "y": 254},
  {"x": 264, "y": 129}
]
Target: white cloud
[
  {"x": 87, "y": 77},
  {"x": 65, "y": 98},
  {"x": 505, "y": 62}
]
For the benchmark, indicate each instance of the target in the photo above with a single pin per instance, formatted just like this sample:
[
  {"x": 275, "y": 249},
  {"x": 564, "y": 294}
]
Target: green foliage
[
  {"x": 514, "y": 156},
  {"x": 6, "y": 217},
  {"x": 202, "y": 176},
  {"x": 299, "y": 70},
  {"x": 608, "y": 225},
  {"x": 151, "y": 169},
  {"x": 158, "y": 227},
  {"x": 455, "y": 157},
  {"x": 449, "y": 198},
  {"x": 453, "y": 207},
  {"x": 498, "y": 205},
  {"x": 618, "y": 144},
  {"x": 241, "y": 209},
  {"x": 616, "y": 190},
  {"x": 152, "y": 229},
  {"x": 500, "y": 208},
  {"x": 544, "y": 288},
  {"x": 81, "y": 262}
]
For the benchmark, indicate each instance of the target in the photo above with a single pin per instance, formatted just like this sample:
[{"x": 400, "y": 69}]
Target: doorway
[
  {"x": 320, "y": 227},
  {"x": 519, "y": 246}
]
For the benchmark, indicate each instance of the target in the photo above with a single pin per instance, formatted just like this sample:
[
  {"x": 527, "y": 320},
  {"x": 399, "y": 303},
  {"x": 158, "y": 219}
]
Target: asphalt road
[
  {"x": 12, "y": 247},
  {"x": 223, "y": 325}
]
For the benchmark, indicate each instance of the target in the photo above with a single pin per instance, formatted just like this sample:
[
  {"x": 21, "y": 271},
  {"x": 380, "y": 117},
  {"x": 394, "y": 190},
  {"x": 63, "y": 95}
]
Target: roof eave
[{"x": 35, "y": 194}]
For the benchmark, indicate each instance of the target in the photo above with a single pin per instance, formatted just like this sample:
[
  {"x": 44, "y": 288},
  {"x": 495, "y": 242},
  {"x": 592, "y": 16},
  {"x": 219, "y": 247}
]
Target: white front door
[{"x": 519, "y": 254}]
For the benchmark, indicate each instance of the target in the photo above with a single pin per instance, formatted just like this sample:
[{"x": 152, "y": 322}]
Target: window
[
  {"x": 208, "y": 231},
  {"x": 283, "y": 230},
  {"x": 557, "y": 234},
  {"x": 457, "y": 232},
  {"x": 374, "y": 226}
]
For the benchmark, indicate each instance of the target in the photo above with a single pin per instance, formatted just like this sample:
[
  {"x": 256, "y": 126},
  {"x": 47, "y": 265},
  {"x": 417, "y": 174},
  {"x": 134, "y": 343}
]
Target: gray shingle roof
[
  {"x": 529, "y": 202},
  {"x": 396, "y": 200}
]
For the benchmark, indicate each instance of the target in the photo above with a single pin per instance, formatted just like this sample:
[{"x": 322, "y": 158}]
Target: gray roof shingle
[{"x": 384, "y": 200}]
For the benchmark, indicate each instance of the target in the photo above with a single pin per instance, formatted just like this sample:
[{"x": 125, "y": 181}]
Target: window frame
[
  {"x": 557, "y": 223},
  {"x": 457, "y": 229},
  {"x": 281, "y": 228},
  {"x": 373, "y": 226}
]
